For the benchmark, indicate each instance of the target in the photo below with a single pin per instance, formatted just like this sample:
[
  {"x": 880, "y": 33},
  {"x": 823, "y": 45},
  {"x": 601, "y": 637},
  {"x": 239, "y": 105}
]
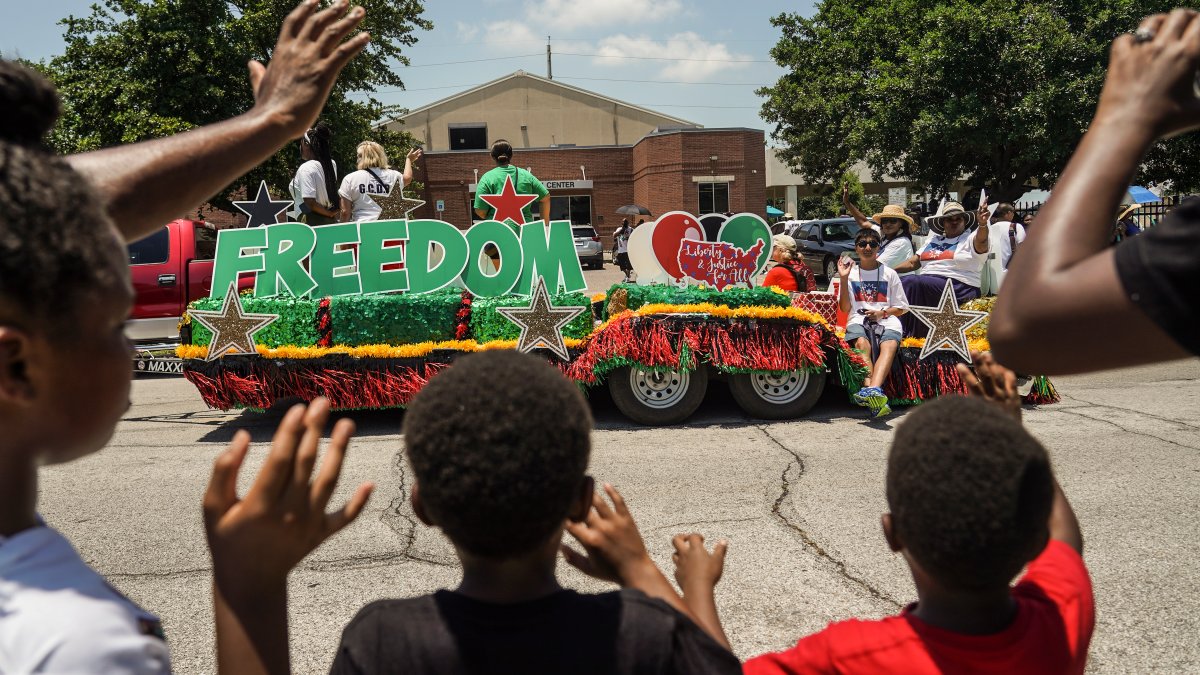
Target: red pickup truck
[{"x": 170, "y": 268}]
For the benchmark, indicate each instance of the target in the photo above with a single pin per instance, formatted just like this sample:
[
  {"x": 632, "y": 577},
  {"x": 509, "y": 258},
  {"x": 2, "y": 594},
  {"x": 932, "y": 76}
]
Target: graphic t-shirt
[
  {"x": 1056, "y": 614},
  {"x": 873, "y": 290},
  {"x": 1158, "y": 270},
  {"x": 566, "y": 632},
  {"x": 310, "y": 182},
  {"x": 57, "y": 615},
  {"x": 953, "y": 258},
  {"x": 359, "y": 186},
  {"x": 621, "y": 236},
  {"x": 492, "y": 183}
]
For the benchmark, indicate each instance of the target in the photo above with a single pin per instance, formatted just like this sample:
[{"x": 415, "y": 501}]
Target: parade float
[{"x": 365, "y": 314}]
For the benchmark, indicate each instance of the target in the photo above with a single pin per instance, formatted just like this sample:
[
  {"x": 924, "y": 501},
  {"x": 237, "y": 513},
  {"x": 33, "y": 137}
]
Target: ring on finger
[{"x": 1143, "y": 34}]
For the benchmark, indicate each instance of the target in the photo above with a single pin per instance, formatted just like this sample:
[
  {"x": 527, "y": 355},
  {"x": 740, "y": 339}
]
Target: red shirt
[
  {"x": 783, "y": 277},
  {"x": 1055, "y": 617}
]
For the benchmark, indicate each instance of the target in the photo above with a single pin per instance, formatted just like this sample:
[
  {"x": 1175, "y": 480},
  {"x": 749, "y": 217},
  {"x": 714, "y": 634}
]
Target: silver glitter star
[
  {"x": 947, "y": 325},
  {"x": 233, "y": 330},
  {"x": 542, "y": 323}
]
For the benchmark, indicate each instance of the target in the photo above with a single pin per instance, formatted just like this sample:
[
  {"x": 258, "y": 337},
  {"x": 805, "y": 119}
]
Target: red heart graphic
[{"x": 670, "y": 230}]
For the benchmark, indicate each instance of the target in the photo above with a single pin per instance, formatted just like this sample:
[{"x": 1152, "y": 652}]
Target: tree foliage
[
  {"x": 999, "y": 91},
  {"x": 141, "y": 69}
]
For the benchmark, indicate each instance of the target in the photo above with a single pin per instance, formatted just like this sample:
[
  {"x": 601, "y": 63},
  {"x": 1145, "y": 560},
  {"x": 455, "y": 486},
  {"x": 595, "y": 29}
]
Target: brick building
[{"x": 594, "y": 153}]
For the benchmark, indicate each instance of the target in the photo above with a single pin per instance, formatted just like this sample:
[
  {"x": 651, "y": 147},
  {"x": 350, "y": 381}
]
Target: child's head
[
  {"x": 970, "y": 493},
  {"x": 866, "y": 245},
  {"x": 64, "y": 289},
  {"x": 499, "y": 443}
]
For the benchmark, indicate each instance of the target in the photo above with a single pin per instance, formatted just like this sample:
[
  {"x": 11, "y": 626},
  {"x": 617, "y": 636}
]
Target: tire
[
  {"x": 658, "y": 399},
  {"x": 777, "y": 397},
  {"x": 830, "y": 268}
]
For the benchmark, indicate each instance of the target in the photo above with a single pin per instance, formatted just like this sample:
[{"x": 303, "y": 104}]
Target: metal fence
[{"x": 1146, "y": 215}]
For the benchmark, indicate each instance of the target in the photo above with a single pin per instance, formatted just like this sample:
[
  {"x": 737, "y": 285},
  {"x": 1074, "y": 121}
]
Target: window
[
  {"x": 837, "y": 232},
  {"x": 468, "y": 136},
  {"x": 153, "y": 249},
  {"x": 575, "y": 208},
  {"x": 206, "y": 242},
  {"x": 714, "y": 198},
  {"x": 809, "y": 232}
]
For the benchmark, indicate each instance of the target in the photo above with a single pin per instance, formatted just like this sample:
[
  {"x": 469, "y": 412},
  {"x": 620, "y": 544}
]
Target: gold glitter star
[
  {"x": 542, "y": 323},
  {"x": 233, "y": 331},
  {"x": 947, "y": 325}
]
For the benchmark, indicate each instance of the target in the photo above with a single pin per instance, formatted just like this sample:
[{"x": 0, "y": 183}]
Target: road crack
[
  {"x": 787, "y": 479},
  {"x": 1073, "y": 412}
]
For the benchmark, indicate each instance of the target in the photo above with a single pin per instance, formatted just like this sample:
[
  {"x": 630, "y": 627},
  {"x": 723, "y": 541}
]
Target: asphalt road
[{"x": 800, "y": 502}]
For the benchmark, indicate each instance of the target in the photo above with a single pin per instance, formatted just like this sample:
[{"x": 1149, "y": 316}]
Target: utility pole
[{"x": 549, "y": 61}]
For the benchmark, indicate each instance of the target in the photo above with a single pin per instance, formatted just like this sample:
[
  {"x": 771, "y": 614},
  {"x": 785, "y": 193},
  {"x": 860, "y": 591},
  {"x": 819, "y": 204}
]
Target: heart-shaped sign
[
  {"x": 669, "y": 231},
  {"x": 717, "y": 250},
  {"x": 744, "y": 231}
]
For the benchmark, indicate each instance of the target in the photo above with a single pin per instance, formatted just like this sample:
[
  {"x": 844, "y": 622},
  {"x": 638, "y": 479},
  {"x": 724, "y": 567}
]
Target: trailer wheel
[
  {"x": 658, "y": 398},
  {"x": 777, "y": 396}
]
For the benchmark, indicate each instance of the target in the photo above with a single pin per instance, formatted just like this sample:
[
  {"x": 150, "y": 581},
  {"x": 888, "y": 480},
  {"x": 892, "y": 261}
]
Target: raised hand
[
  {"x": 615, "y": 550},
  {"x": 984, "y": 215},
  {"x": 992, "y": 382},
  {"x": 845, "y": 266},
  {"x": 845, "y": 192},
  {"x": 695, "y": 568},
  {"x": 415, "y": 154},
  {"x": 306, "y": 60}
]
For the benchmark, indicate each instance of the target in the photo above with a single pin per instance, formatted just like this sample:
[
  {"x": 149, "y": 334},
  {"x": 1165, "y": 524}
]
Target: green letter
[
  {"x": 229, "y": 261},
  {"x": 550, "y": 251},
  {"x": 373, "y": 255},
  {"x": 422, "y": 233},
  {"x": 284, "y": 265},
  {"x": 327, "y": 260},
  {"x": 487, "y": 284}
]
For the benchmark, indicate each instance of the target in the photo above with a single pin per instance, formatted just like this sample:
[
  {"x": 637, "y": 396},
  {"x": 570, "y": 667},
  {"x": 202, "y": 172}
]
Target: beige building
[{"x": 530, "y": 112}]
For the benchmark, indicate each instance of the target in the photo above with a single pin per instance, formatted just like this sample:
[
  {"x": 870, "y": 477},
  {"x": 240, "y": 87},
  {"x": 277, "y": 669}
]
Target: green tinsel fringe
[
  {"x": 487, "y": 324},
  {"x": 294, "y": 326},
  {"x": 693, "y": 295},
  {"x": 849, "y": 373},
  {"x": 394, "y": 319}
]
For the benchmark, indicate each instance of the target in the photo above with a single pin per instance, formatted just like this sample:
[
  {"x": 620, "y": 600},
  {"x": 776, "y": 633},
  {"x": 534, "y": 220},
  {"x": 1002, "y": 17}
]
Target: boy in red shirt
[{"x": 973, "y": 500}]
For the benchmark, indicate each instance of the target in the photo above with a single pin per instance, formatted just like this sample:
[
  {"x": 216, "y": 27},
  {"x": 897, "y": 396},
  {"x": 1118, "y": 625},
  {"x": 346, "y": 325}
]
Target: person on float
[
  {"x": 373, "y": 178},
  {"x": 316, "y": 179},
  {"x": 956, "y": 257},
  {"x": 525, "y": 183},
  {"x": 789, "y": 273},
  {"x": 621, "y": 249},
  {"x": 1010, "y": 232},
  {"x": 1069, "y": 280},
  {"x": 872, "y": 296},
  {"x": 894, "y": 227}
]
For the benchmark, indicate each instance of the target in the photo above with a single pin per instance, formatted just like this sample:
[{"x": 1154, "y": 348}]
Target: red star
[{"x": 508, "y": 203}]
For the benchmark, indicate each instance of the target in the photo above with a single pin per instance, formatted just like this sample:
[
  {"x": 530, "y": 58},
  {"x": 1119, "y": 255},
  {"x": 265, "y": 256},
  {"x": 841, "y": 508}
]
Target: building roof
[{"x": 522, "y": 73}]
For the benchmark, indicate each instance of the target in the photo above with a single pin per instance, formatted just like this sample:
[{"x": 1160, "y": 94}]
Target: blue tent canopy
[
  {"x": 1140, "y": 195},
  {"x": 772, "y": 211}
]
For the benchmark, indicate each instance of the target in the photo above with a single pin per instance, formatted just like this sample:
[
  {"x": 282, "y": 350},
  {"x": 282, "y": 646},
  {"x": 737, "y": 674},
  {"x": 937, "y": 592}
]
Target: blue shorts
[{"x": 856, "y": 331}]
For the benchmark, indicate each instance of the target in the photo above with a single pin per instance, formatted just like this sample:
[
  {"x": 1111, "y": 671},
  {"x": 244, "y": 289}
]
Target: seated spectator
[
  {"x": 500, "y": 481},
  {"x": 956, "y": 256},
  {"x": 894, "y": 226},
  {"x": 789, "y": 272},
  {"x": 1011, "y": 233},
  {"x": 873, "y": 299},
  {"x": 1069, "y": 279},
  {"x": 972, "y": 501}
]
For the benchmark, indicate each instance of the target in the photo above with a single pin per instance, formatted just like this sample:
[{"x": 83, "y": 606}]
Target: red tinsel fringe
[
  {"x": 462, "y": 319},
  {"x": 324, "y": 324}
]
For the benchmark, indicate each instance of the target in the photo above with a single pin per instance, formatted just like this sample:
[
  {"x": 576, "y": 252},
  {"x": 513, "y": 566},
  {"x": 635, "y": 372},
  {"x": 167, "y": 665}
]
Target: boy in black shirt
[{"x": 499, "y": 445}]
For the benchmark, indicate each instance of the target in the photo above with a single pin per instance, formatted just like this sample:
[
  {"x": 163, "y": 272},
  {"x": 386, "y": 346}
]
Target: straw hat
[
  {"x": 893, "y": 211},
  {"x": 784, "y": 242}
]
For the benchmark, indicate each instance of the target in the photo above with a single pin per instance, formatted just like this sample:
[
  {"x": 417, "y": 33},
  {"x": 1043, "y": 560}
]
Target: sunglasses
[
  {"x": 890, "y": 221},
  {"x": 866, "y": 244}
]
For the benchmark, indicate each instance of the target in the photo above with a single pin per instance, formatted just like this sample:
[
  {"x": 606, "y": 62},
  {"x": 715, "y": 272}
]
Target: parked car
[
  {"x": 588, "y": 246},
  {"x": 822, "y": 242}
]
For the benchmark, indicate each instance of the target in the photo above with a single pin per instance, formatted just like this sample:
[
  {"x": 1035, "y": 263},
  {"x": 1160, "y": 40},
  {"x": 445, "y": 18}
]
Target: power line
[
  {"x": 455, "y": 63},
  {"x": 665, "y": 58}
]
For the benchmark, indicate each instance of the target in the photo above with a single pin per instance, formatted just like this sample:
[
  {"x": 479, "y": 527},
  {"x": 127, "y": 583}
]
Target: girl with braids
[{"x": 314, "y": 188}]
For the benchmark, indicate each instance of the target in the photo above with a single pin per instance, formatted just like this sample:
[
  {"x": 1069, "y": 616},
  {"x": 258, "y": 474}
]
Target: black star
[{"x": 263, "y": 210}]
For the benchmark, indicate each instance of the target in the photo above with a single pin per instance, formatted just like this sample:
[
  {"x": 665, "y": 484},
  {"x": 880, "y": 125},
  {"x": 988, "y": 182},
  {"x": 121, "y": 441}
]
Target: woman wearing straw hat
[
  {"x": 956, "y": 257},
  {"x": 894, "y": 227},
  {"x": 789, "y": 273}
]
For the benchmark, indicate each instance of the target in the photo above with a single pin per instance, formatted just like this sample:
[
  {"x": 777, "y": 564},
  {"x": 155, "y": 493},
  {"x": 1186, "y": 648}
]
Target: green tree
[
  {"x": 999, "y": 91},
  {"x": 139, "y": 69}
]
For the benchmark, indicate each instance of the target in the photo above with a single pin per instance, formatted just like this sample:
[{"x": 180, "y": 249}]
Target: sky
[{"x": 699, "y": 60}]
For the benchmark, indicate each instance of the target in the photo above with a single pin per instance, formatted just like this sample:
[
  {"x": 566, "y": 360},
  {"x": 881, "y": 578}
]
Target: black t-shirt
[
  {"x": 566, "y": 632},
  {"x": 1159, "y": 270}
]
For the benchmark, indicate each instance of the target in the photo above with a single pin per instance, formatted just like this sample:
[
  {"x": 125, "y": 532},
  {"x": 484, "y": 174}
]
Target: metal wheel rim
[
  {"x": 659, "y": 390},
  {"x": 830, "y": 269},
  {"x": 780, "y": 388}
]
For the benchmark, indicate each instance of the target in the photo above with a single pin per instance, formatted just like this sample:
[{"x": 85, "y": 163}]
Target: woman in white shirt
[
  {"x": 954, "y": 257},
  {"x": 316, "y": 178},
  {"x": 894, "y": 227},
  {"x": 373, "y": 178}
]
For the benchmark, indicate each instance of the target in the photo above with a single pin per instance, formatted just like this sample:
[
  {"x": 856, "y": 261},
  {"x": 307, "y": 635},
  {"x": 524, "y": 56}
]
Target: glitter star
[
  {"x": 508, "y": 204},
  {"x": 233, "y": 331},
  {"x": 542, "y": 323},
  {"x": 947, "y": 325},
  {"x": 263, "y": 210}
]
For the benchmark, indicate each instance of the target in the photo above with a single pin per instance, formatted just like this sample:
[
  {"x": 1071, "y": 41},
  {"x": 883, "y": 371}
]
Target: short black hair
[
  {"x": 57, "y": 244},
  {"x": 502, "y": 151},
  {"x": 499, "y": 443},
  {"x": 866, "y": 233},
  {"x": 970, "y": 491}
]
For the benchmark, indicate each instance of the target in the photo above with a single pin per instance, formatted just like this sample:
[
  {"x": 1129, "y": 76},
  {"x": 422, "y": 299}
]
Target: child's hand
[
  {"x": 992, "y": 382},
  {"x": 697, "y": 570},
  {"x": 615, "y": 550},
  {"x": 845, "y": 266},
  {"x": 255, "y": 541}
]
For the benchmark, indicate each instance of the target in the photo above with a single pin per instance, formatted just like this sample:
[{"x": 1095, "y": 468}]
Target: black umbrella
[{"x": 633, "y": 210}]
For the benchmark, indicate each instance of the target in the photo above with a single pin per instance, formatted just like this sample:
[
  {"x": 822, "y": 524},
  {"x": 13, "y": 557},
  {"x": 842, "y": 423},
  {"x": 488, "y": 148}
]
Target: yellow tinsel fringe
[
  {"x": 976, "y": 345},
  {"x": 415, "y": 350},
  {"x": 725, "y": 312}
]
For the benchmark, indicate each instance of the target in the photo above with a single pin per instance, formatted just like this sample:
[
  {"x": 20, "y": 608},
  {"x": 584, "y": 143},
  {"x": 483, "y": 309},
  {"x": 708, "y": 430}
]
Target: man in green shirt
[{"x": 492, "y": 183}]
